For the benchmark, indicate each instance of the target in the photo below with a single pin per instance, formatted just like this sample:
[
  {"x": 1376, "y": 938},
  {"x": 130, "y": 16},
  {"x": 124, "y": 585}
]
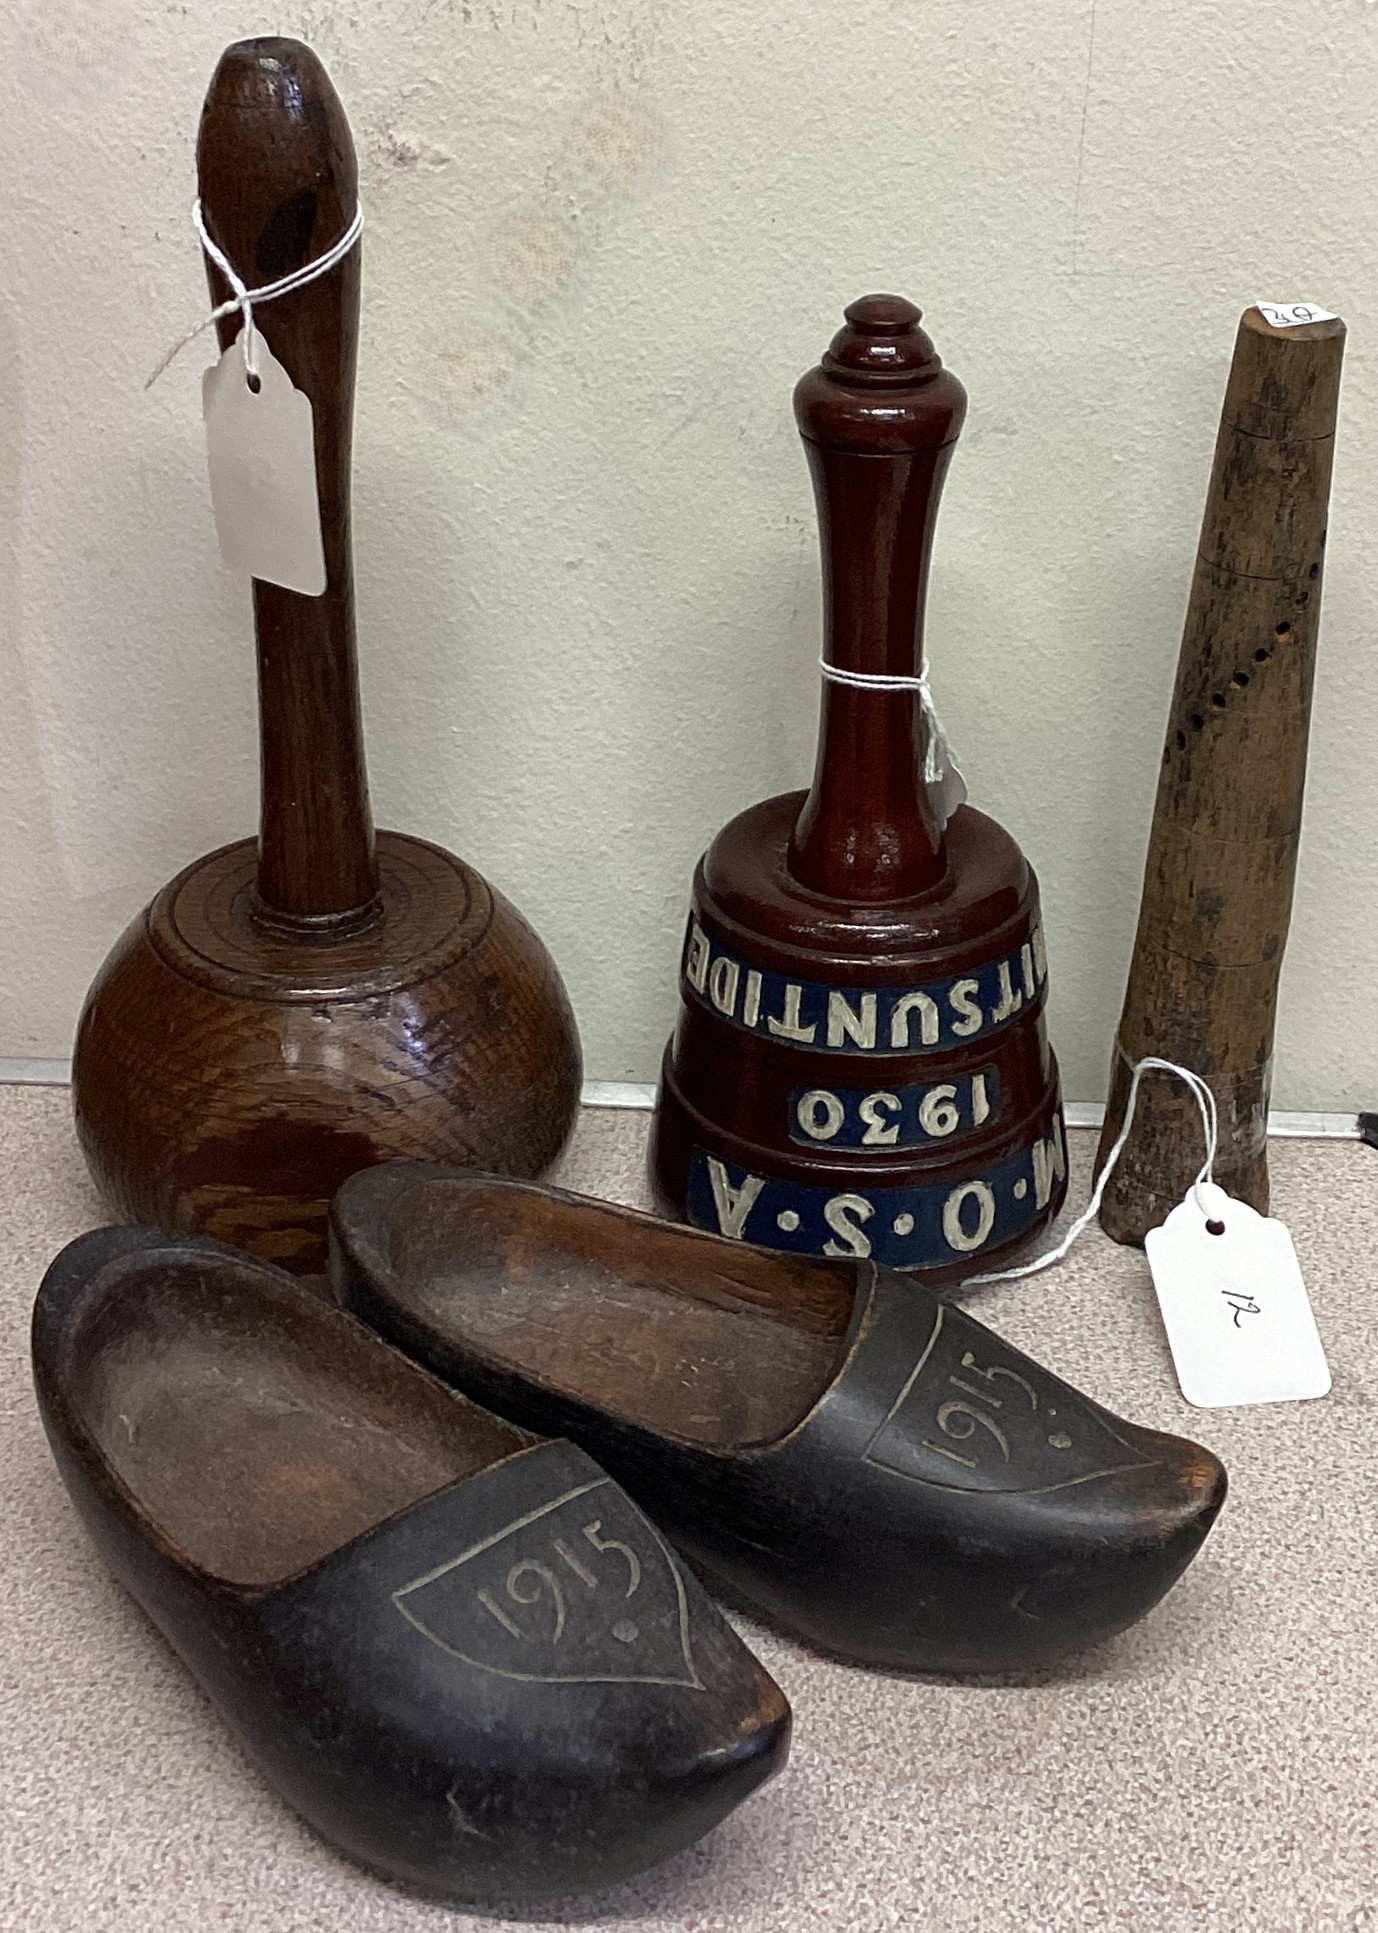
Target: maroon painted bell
[{"x": 861, "y": 1065}]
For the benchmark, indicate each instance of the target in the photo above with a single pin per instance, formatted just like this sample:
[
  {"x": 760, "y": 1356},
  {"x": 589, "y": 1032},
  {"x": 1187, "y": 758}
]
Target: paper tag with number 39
[
  {"x": 1236, "y": 1311},
  {"x": 1292, "y": 315},
  {"x": 262, "y": 451}
]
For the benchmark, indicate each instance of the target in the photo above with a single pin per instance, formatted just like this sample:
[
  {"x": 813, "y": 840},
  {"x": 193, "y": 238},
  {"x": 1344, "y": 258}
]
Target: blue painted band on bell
[
  {"x": 904, "y": 1227},
  {"x": 932, "y": 1018},
  {"x": 898, "y": 1117}
]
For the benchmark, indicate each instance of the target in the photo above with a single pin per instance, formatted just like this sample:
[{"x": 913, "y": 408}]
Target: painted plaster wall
[{"x": 605, "y": 237}]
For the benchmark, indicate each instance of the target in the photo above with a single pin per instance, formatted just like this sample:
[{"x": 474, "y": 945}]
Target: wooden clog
[
  {"x": 829, "y": 1442},
  {"x": 461, "y": 1653}
]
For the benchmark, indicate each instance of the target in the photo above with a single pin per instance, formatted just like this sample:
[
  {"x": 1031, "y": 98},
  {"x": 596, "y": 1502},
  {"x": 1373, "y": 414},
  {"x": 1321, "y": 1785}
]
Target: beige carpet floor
[{"x": 1215, "y": 1768}]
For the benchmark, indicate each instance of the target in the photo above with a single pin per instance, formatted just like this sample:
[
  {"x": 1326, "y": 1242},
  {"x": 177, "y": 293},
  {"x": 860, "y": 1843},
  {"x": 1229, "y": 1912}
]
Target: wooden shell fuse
[
  {"x": 860, "y": 1065},
  {"x": 294, "y": 1008},
  {"x": 1222, "y": 855}
]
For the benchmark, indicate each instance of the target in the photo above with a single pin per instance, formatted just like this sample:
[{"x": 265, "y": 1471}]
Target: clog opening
[
  {"x": 258, "y": 1428},
  {"x": 717, "y": 1343}
]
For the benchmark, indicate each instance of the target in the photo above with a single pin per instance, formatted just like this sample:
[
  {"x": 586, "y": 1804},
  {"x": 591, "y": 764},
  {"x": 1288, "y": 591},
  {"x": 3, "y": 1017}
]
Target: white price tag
[
  {"x": 1291, "y": 315},
  {"x": 1234, "y": 1305},
  {"x": 947, "y": 789},
  {"x": 262, "y": 452}
]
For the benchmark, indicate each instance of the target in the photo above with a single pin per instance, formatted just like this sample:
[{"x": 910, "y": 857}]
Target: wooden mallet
[{"x": 291, "y": 1009}]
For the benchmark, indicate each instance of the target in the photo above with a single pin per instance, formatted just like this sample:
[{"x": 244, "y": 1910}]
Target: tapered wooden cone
[{"x": 1222, "y": 856}]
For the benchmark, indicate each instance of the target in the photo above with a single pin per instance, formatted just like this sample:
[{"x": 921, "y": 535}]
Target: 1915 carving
[
  {"x": 625, "y": 1631},
  {"x": 558, "y": 1598},
  {"x": 992, "y": 1426}
]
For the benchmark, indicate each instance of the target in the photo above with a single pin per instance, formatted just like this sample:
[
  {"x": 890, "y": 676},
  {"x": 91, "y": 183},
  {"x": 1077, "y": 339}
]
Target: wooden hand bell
[
  {"x": 292, "y": 1009},
  {"x": 860, "y": 1065}
]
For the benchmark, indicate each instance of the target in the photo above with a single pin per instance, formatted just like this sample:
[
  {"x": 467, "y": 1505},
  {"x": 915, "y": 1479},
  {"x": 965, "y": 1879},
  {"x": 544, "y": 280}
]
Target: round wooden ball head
[
  {"x": 291, "y": 1009},
  {"x": 860, "y": 1066}
]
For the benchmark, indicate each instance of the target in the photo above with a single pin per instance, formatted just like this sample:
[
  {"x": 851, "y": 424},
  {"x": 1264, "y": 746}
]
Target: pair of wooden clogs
[{"x": 401, "y": 1541}]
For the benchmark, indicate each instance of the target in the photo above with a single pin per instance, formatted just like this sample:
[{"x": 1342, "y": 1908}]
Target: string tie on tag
[
  {"x": 245, "y": 299},
  {"x": 937, "y": 757},
  {"x": 1210, "y": 1124}
]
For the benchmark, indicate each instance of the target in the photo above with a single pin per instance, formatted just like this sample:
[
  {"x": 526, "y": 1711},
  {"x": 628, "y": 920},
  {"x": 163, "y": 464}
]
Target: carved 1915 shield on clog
[
  {"x": 580, "y": 1591},
  {"x": 827, "y": 1441},
  {"x": 967, "y": 1419},
  {"x": 461, "y": 1653}
]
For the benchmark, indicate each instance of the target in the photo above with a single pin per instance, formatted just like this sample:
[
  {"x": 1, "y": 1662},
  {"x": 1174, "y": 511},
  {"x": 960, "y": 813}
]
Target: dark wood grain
[
  {"x": 833, "y": 1447},
  {"x": 289, "y": 1011},
  {"x": 856, "y": 890},
  {"x": 279, "y": 185},
  {"x": 879, "y": 419},
  {"x": 1222, "y": 857},
  {"x": 720, "y": 1341},
  {"x": 342, "y": 1551}
]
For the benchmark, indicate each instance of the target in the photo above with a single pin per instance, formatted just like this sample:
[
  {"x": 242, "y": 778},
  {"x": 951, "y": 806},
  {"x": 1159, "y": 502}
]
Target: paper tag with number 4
[
  {"x": 262, "y": 451},
  {"x": 1234, "y": 1305}
]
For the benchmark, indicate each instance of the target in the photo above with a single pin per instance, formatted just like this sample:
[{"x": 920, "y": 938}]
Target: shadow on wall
[
  {"x": 528, "y": 259},
  {"x": 38, "y": 926},
  {"x": 55, "y": 934}
]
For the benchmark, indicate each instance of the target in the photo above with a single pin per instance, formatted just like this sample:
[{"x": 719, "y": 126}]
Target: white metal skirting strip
[
  {"x": 37, "y": 1073},
  {"x": 641, "y": 1094},
  {"x": 618, "y": 1094}
]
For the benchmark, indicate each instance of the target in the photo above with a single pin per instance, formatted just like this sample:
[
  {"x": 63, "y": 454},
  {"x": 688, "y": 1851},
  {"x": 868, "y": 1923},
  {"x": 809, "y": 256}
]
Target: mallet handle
[
  {"x": 879, "y": 418},
  {"x": 279, "y": 185}
]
